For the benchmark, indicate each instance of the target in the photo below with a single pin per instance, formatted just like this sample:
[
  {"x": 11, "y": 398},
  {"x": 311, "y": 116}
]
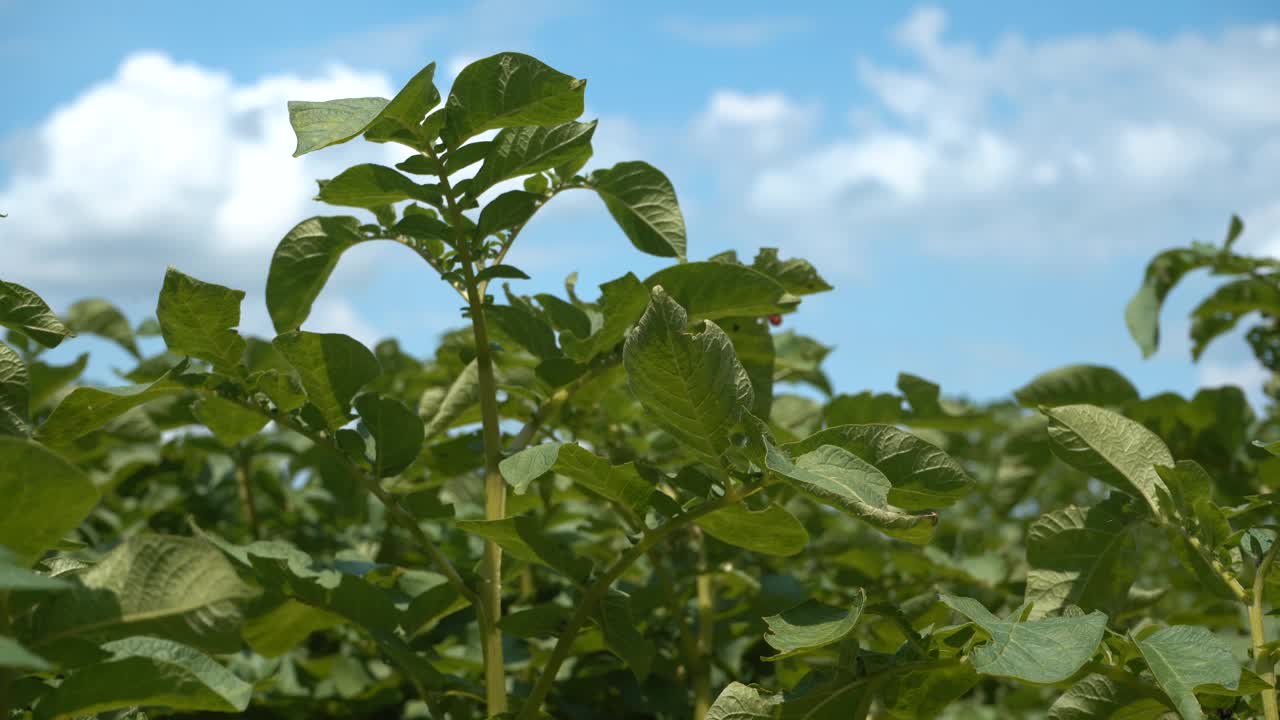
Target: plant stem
[
  {"x": 1263, "y": 665},
  {"x": 597, "y": 590},
  {"x": 1227, "y": 577},
  {"x": 495, "y": 488},
  {"x": 243, "y": 481}
]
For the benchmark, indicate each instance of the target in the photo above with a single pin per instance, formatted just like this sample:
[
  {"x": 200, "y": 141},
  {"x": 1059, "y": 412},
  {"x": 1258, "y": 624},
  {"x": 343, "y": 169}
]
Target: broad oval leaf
[
  {"x": 86, "y": 409},
  {"x": 321, "y": 124},
  {"x": 332, "y": 367},
  {"x": 1098, "y": 696},
  {"x": 844, "y": 481},
  {"x": 1083, "y": 557},
  {"x": 302, "y": 264},
  {"x": 1183, "y": 658},
  {"x": 508, "y": 90},
  {"x": 643, "y": 203},
  {"x": 1077, "y": 384},
  {"x": 712, "y": 290},
  {"x": 691, "y": 383},
  {"x": 96, "y": 316},
  {"x": 622, "y": 634},
  {"x": 520, "y": 151},
  {"x": 743, "y": 702},
  {"x": 148, "y": 672},
  {"x": 622, "y": 302},
  {"x": 524, "y": 537},
  {"x": 1043, "y": 651},
  {"x": 229, "y": 421},
  {"x": 370, "y": 186},
  {"x": 771, "y": 531},
  {"x": 401, "y": 120},
  {"x": 45, "y": 497},
  {"x": 1111, "y": 448},
  {"x": 1142, "y": 315},
  {"x": 15, "y": 394},
  {"x": 198, "y": 319},
  {"x": 23, "y": 311},
  {"x": 619, "y": 483},
  {"x": 396, "y": 430},
  {"x": 922, "y": 476},
  {"x": 812, "y": 625}
]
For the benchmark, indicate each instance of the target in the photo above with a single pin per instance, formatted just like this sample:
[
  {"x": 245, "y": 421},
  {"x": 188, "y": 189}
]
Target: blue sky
[{"x": 983, "y": 182}]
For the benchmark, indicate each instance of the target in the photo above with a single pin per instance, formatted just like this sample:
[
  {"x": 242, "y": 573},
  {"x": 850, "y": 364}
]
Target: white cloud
[
  {"x": 734, "y": 32},
  {"x": 167, "y": 163},
  {"x": 764, "y": 123},
  {"x": 1054, "y": 151}
]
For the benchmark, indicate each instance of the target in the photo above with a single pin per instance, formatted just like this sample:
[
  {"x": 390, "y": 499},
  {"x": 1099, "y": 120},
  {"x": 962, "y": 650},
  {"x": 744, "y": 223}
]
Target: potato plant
[{"x": 649, "y": 504}]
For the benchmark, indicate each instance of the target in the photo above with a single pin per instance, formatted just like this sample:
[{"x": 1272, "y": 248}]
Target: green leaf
[
  {"x": 1191, "y": 490},
  {"x": 743, "y": 702},
  {"x": 812, "y": 625},
  {"x": 798, "y": 276},
  {"x": 1044, "y": 651},
  {"x": 332, "y": 368},
  {"x": 1083, "y": 557},
  {"x": 523, "y": 537},
  {"x": 509, "y": 90},
  {"x": 546, "y": 620},
  {"x": 45, "y": 497},
  {"x": 622, "y": 302},
  {"x": 230, "y": 422},
  {"x": 619, "y": 483},
  {"x": 321, "y": 124},
  {"x": 98, "y": 317},
  {"x": 396, "y": 430},
  {"x": 180, "y": 588},
  {"x": 15, "y": 394},
  {"x": 643, "y": 203},
  {"x": 753, "y": 344},
  {"x": 87, "y": 409},
  {"x": 838, "y": 478},
  {"x": 1111, "y": 448},
  {"x": 1142, "y": 315},
  {"x": 198, "y": 319},
  {"x": 148, "y": 672},
  {"x": 1097, "y": 696},
  {"x": 494, "y": 272},
  {"x": 1183, "y": 658},
  {"x": 1222, "y": 310},
  {"x": 14, "y": 576},
  {"x": 923, "y": 477},
  {"x": 1076, "y": 384},
  {"x": 401, "y": 120},
  {"x": 14, "y": 655},
  {"x": 799, "y": 359},
  {"x": 302, "y": 264},
  {"x": 526, "y": 329},
  {"x": 771, "y": 531},
  {"x": 47, "y": 380},
  {"x": 622, "y": 635},
  {"x": 509, "y": 211},
  {"x": 462, "y": 395},
  {"x": 283, "y": 389},
  {"x": 520, "y": 151},
  {"x": 23, "y": 311},
  {"x": 712, "y": 290},
  {"x": 284, "y": 626},
  {"x": 923, "y": 694},
  {"x": 370, "y": 185},
  {"x": 691, "y": 383}
]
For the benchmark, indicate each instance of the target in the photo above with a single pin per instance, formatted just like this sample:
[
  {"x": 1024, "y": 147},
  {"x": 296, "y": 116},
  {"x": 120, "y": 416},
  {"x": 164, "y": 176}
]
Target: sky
[{"x": 982, "y": 182}]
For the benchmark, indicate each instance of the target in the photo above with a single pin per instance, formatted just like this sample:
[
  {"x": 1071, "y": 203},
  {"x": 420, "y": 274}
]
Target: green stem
[
  {"x": 244, "y": 484},
  {"x": 1263, "y": 665},
  {"x": 597, "y": 590},
  {"x": 1227, "y": 577},
  {"x": 495, "y": 488}
]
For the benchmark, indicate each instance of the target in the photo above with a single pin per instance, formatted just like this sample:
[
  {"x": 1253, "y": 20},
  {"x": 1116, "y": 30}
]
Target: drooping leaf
[
  {"x": 1111, "y": 448},
  {"x": 798, "y": 358},
  {"x": 1182, "y": 658},
  {"x": 837, "y": 477},
  {"x": 1098, "y": 696},
  {"x": 1142, "y": 315},
  {"x": 691, "y": 383},
  {"x": 753, "y": 344},
  {"x": 798, "y": 276},
  {"x": 922, "y": 476},
  {"x": 462, "y": 395},
  {"x": 526, "y": 329},
  {"x": 520, "y": 151},
  {"x": 621, "y": 634},
  {"x": 743, "y": 702},
  {"x": 23, "y": 311},
  {"x": 1048, "y": 650},
  {"x": 396, "y": 430},
  {"x": 1083, "y": 557},
  {"x": 1223, "y": 309},
  {"x": 45, "y": 497},
  {"x": 302, "y": 264},
  {"x": 333, "y": 367},
  {"x": 168, "y": 586},
  {"x": 87, "y": 409},
  {"x": 401, "y": 120},
  {"x": 494, "y": 272},
  {"x": 812, "y": 625},
  {"x": 47, "y": 380},
  {"x": 229, "y": 421},
  {"x": 507, "y": 212},
  {"x": 148, "y": 672},
  {"x": 509, "y": 90},
  {"x": 620, "y": 483},
  {"x": 369, "y": 186},
  {"x": 280, "y": 629},
  {"x": 523, "y": 537},
  {"x": 771, "y": 531},
  {"x": 321, "y": 124},
  {"x": 198, "y": 319},
  {"x": 643, "y": 203},
  {"x": 622, "y": 302},
  {"x": 95, "y": 316},
  {"x": 15, "y": 394},
  {"x": 1077, "y": 384}
]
